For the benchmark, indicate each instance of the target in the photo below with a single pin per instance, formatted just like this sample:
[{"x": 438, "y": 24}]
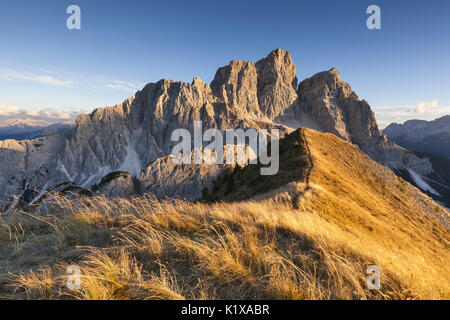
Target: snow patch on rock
[
  {"x": 96, "y": 177},
  {"x": 132, "y": 163},
  {"x": 64, "y": 170},
  {"x": 40, "y": 195},
  {"x": 421, "y": 183}
]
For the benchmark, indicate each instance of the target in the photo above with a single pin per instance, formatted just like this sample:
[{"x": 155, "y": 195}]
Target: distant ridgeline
[
  {"x": 425, "y": 136},
  {"x": 31, "y": 132}
]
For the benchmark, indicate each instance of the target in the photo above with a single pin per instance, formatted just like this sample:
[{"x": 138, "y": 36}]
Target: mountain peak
[
  {"x": 331, "y": 77},
  {"x": 264, "y": 89},
  {"x": 278, "y": 61},
  {"x": 197, "y": 82},
  {"x": 279, "y": 53},
  {"x": 333, "y": 70},
  {"x": 331, "y": 102}
]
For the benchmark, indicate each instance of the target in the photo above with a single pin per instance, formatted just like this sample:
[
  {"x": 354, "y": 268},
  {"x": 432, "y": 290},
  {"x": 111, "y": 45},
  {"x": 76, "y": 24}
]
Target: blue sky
[{"x": 122, "y": 45}]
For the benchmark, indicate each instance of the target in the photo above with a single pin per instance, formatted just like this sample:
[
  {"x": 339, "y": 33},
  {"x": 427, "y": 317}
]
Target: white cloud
[
  {"x": 51, "y": 115},
  {"x": 55, "y": 114},
  {"x": 422, "y": 111},
  {"x": 424, "y": 106},
  {"x": 64, "y": 79}
]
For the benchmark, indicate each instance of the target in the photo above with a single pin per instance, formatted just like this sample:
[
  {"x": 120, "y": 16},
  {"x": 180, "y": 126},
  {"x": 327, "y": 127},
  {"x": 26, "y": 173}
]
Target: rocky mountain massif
[{"x": 124, "y": 149}]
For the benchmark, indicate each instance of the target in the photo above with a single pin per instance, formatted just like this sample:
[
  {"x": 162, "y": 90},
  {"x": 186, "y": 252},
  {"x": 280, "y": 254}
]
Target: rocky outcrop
[
  {"x": 117, "y": 184},
  {"x": 28, "y": 164}
]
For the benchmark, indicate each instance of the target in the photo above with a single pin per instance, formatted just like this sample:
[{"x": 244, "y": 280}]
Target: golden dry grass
[
  {"x": 146, "y": 249},
  {"x": 143, "y": 248}
]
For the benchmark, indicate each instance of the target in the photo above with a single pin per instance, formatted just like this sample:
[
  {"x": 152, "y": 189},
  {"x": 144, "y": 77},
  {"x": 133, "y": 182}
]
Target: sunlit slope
[
  {"x": 352, "y": 180},
  {"x": 376, "y": 214}
]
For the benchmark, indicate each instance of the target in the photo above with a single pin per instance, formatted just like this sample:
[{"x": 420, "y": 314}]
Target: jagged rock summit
[
  {"x": 261, "y": 90},
  {"x": 332, "y": 104},
  {"x": 134, "y": 136}
]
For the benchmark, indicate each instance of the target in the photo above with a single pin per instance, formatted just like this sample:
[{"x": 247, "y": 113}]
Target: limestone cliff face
[
  {"x": 277, "y": 83},
  {"x": 236, "y": 85},
  {"x": 135, "y": 136},
  {"x": 334, "y": 107},
  {"x": 261, "y": 90},
  {"x": 129, "y": 136},
  {"x": 132, "y": 135},
  {"x": 28, "y": 164},
  {"x": 163, "y": 178},
  {"x": 332, "y": 104}
]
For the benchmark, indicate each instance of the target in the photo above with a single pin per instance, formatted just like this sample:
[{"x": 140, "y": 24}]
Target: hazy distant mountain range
[
  {"x": 22, "y": 129},
  {"x": 124, "y": 150},
  {"x": 420, "y": 135}
]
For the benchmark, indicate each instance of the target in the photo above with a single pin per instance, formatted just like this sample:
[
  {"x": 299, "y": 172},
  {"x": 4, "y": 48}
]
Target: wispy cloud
[
  {"x": 122, "y": 85},
  {"x": 64, "y": 79},
  {"x": 38, "y": 78}
]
